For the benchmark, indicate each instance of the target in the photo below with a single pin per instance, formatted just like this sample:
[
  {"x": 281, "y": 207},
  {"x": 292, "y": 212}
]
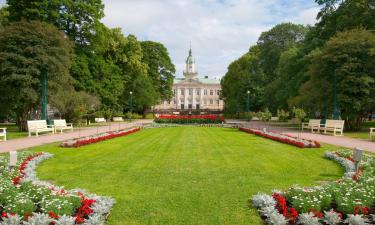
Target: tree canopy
[{"x": 25, "y": 49}]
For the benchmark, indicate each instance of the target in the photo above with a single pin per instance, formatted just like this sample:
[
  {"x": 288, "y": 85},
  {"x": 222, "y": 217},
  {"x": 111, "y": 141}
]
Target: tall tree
[
  {"x": 160, "y": 68},
  {"x": 25, "y": 49},
  {"x": 78, "y": 19},
  {"x": 273, "y": 42},
  {"x": 349, "y": 59},
  {"x": 243, "y": 75}
]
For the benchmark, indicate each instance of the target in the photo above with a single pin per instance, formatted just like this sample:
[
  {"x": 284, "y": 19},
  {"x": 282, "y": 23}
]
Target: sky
[{"x": 219, "y": 31}]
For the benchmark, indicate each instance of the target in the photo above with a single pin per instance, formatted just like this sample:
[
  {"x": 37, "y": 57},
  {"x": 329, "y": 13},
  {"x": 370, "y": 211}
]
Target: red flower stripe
[{"x": 287, "y": 140}]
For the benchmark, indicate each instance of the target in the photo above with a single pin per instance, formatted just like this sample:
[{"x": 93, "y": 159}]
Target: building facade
[{"x": 192, "y": 93}]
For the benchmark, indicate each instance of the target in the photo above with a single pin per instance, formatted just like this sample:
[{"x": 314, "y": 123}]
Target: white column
[
  {"x": 193, "y": 102},
  {"x": 177, "y": 98},
  {"x": 186, "y": 103},
  {"x": 201, "y": 101}
]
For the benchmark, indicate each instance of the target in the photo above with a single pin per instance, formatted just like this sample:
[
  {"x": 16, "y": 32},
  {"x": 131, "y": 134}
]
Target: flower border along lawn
[{"x": 186, "y": 175}]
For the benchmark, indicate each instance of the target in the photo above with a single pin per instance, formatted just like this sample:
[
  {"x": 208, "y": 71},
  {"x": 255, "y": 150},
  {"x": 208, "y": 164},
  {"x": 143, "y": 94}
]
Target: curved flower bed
[
  {"x": 26, "y": 200},
  {"x": 193, "y": 119},
  {"x": 287, "y": 139},
  {"x": 97, "y": 138},
  {"x": 350, "y": 200}
]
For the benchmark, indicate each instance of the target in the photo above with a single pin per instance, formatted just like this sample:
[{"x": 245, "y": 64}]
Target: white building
[{"x": 192, "y": 93}]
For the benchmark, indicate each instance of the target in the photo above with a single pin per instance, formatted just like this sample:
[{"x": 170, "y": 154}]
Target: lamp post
[
  {"x": 131, "y": 104},
  {"x": 44, "y": 113},
  {"x": 247, "y": 101},
  {"x": 336, "y": 113}
]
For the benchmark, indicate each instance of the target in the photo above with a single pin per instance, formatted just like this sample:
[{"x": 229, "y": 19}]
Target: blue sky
[{"x": 219, "y": 30}]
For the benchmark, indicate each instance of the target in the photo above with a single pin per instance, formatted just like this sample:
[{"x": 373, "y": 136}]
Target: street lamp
[
  {"x": 131, "y": 104},
  {"x": 247, "y": 101},
  {"x": 336, "y": 113}
]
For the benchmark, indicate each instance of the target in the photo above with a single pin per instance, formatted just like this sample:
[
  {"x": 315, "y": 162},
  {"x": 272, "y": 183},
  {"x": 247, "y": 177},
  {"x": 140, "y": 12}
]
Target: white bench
[
  {"x": 313, "y": 124},
  {"x": 100, "y": 120},
  {"x": 333, "y": 126},
  {"x": 118, "y": 119},
  {"x": 372, "y": 132},
  {"x": 274, "y": 118},
  {"x": 39, "y": 126},
  {"x": 62, "y": 125},
  {"x": 3, "y": 133}
]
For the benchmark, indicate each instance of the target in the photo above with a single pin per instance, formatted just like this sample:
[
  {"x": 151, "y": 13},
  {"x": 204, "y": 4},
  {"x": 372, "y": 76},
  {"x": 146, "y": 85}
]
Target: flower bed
[
  {"x": 194, "y": 119},
  {"x": 350, "y": 200},
  {"x": 97, "y": 138},
  {"x": 26, "y": 200},
  {"x": 283, "y": 138}
]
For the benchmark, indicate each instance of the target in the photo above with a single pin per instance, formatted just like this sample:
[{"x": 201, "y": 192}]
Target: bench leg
[{"x": 36, "y": 134}]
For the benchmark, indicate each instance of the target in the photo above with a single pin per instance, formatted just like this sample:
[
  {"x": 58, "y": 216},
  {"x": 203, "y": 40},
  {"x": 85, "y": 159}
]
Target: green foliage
[
  {"x": 78, "y": 19},
  {"x": 26, "y": 48},
  {"x": 4, "y": 14},
  {"x": 160, "y": 68},
  {"x": 283, "y": 115},
  {"x": 349, "y": 58},
  {"x": 299, "y": 113}
]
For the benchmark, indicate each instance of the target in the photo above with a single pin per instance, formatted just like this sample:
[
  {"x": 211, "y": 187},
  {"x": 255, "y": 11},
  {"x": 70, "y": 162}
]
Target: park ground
[{"x": 186, "y": 175}]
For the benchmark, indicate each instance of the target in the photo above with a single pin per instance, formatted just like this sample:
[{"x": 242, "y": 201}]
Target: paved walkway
[
  {"x": 328, "y": 139},
  {"x": 28, "y": 142}
]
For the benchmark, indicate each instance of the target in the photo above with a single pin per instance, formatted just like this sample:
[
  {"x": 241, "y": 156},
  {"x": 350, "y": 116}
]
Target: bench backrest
[
  {"x": 335, "y": 123},
  {"x": 274, "y": 118},
  {"x": 98, "y": 120},
  {"x": 36, "y": 124},
  {"x": 117, "y": 119},
  {"x": 59, "y": 123},
  {"x": 314, "y": 122}
]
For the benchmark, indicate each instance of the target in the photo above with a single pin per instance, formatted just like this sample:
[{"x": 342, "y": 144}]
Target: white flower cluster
[
  {"x": 346, "y": 163},
  {"x": 266, "y": 205},
  {"x": 101, "y": 207}
]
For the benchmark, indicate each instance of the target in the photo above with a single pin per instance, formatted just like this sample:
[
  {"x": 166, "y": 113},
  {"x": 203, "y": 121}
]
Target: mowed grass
[{"x": 186, "y": 175}]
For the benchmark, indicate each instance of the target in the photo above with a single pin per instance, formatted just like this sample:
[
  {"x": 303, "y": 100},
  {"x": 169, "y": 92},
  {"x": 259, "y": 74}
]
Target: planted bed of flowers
[
  {"x": 193, "y": 119},
  {"x": 350, "y": 200},
  {"x": 28, "y": 201},
  {"x": 283, "y": 138},
  {"x": 97, "y": 138}
]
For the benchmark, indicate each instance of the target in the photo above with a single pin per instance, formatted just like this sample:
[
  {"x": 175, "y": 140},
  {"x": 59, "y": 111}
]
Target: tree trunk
[{"x": 22, "y": 121}]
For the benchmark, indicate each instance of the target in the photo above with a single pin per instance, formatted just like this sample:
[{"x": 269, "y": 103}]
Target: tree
[
  {"x": 273, "y": 42},
  {"x": 243, "y": 75},
  {"x": 4, "y": 14},
  {"x": 25, "y": 49},
  {"x": 78, "y": 19},
  {"x": 349, "y": 59},
  {"x": 160, "y": 68}
]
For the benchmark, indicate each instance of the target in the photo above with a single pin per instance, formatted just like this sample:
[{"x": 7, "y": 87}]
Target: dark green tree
[
  {"x": 160, "y": 68},
  {"x": 349, "y": 56},
  {"x": 25, "y": 49},
  {"x": 78, "y": 19}
]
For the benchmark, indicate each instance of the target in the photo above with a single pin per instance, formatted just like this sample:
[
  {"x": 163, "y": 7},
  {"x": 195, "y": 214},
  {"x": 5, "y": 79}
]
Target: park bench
[
  {"x": 274, "y": 118},
  {"x": 39, "y": 126},
  {"x": 3, "y": 133},
  {"x": 62, "y": 125},
  {"x": 313, "y": 124},
  {"x": 333, "y": 126},
  {"x": 100, "y": 120},
  {"x": 118, "y": 119},
  {"x": 372, "y": 132}
]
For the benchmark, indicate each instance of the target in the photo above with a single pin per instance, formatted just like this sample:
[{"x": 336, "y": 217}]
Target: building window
[
  {"x": 211, "y": 101},
  {"x": 218, "y": 92},
  {"x": 211, "y": 92},
  {"x": 182, "y": 106},
  {"x": 174, "y": 92},
  {"x": 205, "y": 91},
  {"x": 190, "y": 106},
  {"x": 190, "y": 91},
  {"x": 218, "y": 102},
  {"x": 197, "y": 106},
  {"x": 198, "y": 91},
  {"x": 182, "y": 91}
]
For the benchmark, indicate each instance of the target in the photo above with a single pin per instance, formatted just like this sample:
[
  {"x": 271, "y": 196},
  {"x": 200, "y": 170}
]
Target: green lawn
[
  {"x": 13, "y": 132},
  {"x": 186, "y": 175}
]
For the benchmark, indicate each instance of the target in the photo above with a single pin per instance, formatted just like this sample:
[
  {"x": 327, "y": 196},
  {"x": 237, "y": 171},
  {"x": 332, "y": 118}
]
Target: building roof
[{"x": 204, "y": 80}]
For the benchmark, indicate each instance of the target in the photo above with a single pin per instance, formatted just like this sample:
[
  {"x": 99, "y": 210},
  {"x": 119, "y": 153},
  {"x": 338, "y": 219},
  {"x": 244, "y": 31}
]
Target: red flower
[{"x": 4, "y": 214}]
